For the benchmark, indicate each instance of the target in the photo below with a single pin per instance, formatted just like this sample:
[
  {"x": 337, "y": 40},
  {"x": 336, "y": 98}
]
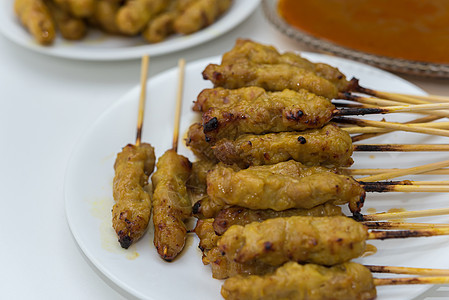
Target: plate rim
[{"x": 238, "y": 13}]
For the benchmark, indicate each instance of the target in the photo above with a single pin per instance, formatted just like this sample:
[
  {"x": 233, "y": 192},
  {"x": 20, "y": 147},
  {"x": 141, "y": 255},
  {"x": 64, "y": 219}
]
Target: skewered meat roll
[
  {"x": 320, "y": 240},
  {"x": 171, "y": 204},
  {"x": 349, "y": 281},
  {"x": 328, "y": 146},
  {"x": 220, "y": 97},
  {"x": 236, "y": 215},
  {"x": 253, "y": 64},
  {"x": 132, "y": 210},
  {"x": 270, "y": 112},
  {"x": 282, "y": 186}
]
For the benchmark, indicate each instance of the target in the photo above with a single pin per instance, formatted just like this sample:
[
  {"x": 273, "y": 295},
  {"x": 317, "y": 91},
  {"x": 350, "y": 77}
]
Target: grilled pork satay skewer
[
  {"x": 253, "y": 64},
  {"x": 282, "y": 186},
  {"x": 223, "y": 267},
  {"x": 328, "y": 146},
  {"x": 292, "y": 185},
  {"x": 171, "y": 202},
  {"x": 349, "y": 281},
  {"x": 321, "y": 240},
  {"x": 286, "y": 111},
  {"x": 133, "y": 166}
]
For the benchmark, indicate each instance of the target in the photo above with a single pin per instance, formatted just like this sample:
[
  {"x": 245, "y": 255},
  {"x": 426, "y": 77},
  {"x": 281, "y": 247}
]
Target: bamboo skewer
[
  {"x": 370, "y": 102},
  {"x": 398, "y": 234},
  {"x": 392, "y": 109},
  {"x": 410, "y": 280},
  {"x": 400, "y": 147},
  {"x": 181, "y": 67},
  {"x": 392, "y": 125},
  {"x": 406, "y": 188},
  {"x": 442, "y": 171},
  {"x": 371, "y": 135},
  {"x": 402, "y": 225},
  {"x": 402, "y": 172},
  {"x": 410, "y": 182},
  {"x": 142, "y": 98},
  {"x": 405, "y": 214},
  {"x": 371, "y": 129},
  {"x": 408, "y": 270},
  {"x": 403, "y": 97}
]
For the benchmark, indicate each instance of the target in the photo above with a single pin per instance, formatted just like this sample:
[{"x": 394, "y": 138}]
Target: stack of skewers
[{"x": 273, "y": 149}]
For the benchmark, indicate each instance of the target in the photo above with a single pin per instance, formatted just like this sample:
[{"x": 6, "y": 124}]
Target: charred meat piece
[
  {"x": 349, "y": 281},
  {"x": 320, "y": 240},
  {"x": 171, "y": 204},
  {"x": 196, "y": 141},
  {"x": 132, "y": 210},
  {"x": 270, "y": 112}
]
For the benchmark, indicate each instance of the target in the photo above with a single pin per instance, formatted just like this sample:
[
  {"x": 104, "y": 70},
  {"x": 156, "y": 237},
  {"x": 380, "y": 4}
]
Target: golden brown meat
[
  {"x": 220, "y": 97},
  {"x": 196, "y": 141},
  {"x": 160, "y": 27},
  {"x": 171, "y": 204},
  {"x": 270, "y": 112},
  {"x": 206, "y": 208},
  {"x": 221, "y": 266},
  {"x": 71, "y": 28},
  {"x": 105, "y": 15},
  {"x": 205, "y": 231},
  {"x": 197, "y": 182},
  {"x": 78, "y": 8},
  {"x": 200, "y": 14},
  {"x": 348, "y": 281},
  {"x": 328, "y": 146},
  {"x": 320, "y": 240},
  {"x": 132, "y": 209},
  {"x": 257, "y": 53},
  {"x": 135, "y": 14},
  {"x": 35, "y": 16},
  {"x": 282, "y": 186},
  {"x": 236, "y": 215}
]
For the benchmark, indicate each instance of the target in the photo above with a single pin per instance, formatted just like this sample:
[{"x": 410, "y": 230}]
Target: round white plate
[
  {"x": 139, "y": 270},
  {"x": 100, "y": 46}
]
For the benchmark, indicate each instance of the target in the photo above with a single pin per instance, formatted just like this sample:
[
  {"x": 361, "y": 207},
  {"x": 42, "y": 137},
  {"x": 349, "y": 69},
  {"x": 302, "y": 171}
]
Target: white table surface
[{"x": 47, "y": 103}]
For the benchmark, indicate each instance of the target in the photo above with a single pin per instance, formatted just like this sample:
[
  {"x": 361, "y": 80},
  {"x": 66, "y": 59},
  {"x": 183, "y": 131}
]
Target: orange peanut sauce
[{"x": 408, "y": 29}]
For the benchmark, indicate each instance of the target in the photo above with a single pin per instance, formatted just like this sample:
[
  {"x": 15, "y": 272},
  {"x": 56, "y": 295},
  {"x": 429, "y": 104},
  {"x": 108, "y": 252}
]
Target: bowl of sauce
[{"x": 408, "y": 36}]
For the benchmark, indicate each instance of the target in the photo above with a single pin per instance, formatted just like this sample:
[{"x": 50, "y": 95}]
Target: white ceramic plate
[
  {"x": 139, "y": 270},
  {"x": 100, "y": 46}
]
